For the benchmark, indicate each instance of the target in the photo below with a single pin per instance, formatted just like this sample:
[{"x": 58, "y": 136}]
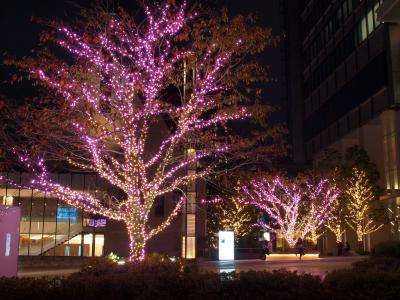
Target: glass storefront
[{"x": 49, "y": 227}]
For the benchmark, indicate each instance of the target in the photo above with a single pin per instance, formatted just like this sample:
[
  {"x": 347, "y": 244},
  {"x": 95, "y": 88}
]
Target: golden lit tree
[
  {"x": 229, "y": 214},
  {"x": 337, "y": 225},
  {"x": 359, "y": 194}
]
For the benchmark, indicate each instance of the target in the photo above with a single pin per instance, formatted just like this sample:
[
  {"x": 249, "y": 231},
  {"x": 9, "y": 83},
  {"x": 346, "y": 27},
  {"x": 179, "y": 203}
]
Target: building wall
[
  {"x": 293, "y": 84},
  {"x": 345, "y": 70},
  {"x": 48, "y": 231},
  {"x": 351, "y": 80}
]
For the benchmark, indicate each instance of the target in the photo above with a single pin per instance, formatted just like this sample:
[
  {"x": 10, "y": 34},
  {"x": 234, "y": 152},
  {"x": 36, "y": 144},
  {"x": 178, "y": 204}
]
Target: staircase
[{"x": 74, "y": 230}]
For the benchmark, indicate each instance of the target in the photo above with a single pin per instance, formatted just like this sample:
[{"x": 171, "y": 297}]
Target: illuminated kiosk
[
  {"x": 226, "y": 245},
  {"x": 9, "y": 237}
]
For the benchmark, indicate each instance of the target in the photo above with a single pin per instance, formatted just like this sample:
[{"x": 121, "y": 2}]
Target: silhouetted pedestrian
[{"x": 299, "y": 246}]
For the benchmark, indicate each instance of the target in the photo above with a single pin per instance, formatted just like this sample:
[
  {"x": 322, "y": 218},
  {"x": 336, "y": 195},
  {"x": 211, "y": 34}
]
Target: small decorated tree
[
  {"x": 360, "y": 195},
  {"x": 228, "y": 213}
]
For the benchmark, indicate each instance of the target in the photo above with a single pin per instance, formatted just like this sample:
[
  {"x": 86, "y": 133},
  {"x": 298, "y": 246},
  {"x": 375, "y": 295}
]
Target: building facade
[
  {"x": 49, "y": 227},
  {"x": 346, "y": 89}
]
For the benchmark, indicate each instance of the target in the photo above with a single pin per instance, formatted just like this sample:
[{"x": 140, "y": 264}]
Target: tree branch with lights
[{"x": 114, "y": 92}]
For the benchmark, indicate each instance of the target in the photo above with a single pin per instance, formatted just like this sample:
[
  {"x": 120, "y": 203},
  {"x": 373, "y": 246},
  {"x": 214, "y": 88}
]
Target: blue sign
[{"x": 67, "y": 214}]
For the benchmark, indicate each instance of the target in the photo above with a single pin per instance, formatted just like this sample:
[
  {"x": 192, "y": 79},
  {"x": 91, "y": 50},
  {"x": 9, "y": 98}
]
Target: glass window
[
  {"x": 370, "y": 17},
  {"x": 339, "y": 15},
  {"x": 37, "y": 215},
  {"x": 50, "y": 215},
  {"x": 344, "y": 9},
  {"x": 363, "y": 25},
  {"x": 35, "y": 244},
  {"x": 48, "y": 244},
  {"x": 25, "y": 205},
  {"x": 74, "y": 247},
  {"x": 23, "y": 244},
  {"x": 375, "y": 9},
  {"x": 350, "y": 6}
]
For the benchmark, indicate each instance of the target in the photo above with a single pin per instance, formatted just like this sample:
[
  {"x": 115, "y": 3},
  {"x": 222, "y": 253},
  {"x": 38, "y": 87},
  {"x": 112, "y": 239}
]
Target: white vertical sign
[
  {"x": 8, "y": 244},
  {"x": 226, "y": 245}
]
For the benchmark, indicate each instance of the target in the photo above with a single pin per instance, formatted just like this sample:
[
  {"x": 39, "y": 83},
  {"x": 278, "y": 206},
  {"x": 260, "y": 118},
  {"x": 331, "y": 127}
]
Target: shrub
[
  {"x": 167, "y": 285},
  {"x": 154, "y": 282},
  {"x": 388, "y": 249},
  {"x": 354, "y": 284},
  {"x": 387, "y": 264},
  {"x": 152, "y": 264}
]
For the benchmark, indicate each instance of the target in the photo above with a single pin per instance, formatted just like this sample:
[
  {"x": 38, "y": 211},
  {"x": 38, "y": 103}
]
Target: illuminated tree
[
  {"x": 337, "y": 225},
  {"x": 298, "y": 208},
  {"x": 115, "y": 99},
  {"x": 228, "y": 214},
  {"x": 359, "y": 193},
  {"x": 322, "y": 198}
]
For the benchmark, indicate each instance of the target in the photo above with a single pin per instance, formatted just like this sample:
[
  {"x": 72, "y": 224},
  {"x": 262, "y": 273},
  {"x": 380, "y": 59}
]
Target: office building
[{"x": 342, "y": 69}]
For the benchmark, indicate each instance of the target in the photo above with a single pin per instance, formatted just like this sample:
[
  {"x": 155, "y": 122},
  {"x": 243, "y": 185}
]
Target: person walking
[
  {"x": 269, "y": 247},
  {"x": 265, "y": 249},
  {"x": 299, "y": 246}
]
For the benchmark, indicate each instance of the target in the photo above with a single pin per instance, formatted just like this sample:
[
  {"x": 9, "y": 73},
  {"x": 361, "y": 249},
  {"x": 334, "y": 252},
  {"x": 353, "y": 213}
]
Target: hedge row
[{"x": 346, "y": 284}]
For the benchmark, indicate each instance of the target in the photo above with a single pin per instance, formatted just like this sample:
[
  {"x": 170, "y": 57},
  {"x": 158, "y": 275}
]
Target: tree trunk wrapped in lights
[
  {"x": 115, "y": 88},
  {"x": 337, "y": 225},
  {"x": 359, "y": 193},
  {"x": 298, "y": 208}
]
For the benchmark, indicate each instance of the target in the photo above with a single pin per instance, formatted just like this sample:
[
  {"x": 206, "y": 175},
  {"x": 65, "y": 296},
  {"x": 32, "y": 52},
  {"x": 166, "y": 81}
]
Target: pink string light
[
  {"x": 296, "y": 209},
  {"x": 125, "y": 64}
]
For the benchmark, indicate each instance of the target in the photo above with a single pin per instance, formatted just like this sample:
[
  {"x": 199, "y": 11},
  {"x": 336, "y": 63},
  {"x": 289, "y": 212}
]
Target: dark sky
[{"x": 18, "y": 34}]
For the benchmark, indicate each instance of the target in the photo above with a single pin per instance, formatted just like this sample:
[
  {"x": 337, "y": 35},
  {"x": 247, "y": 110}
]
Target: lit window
[
  {"x": 364, "y": 33},
  {"x": 8, "y": 200},
  {"x": 189, "y": 250},
  {"x": 370, "y": 21},
  {"x": 375, "y": 11}
]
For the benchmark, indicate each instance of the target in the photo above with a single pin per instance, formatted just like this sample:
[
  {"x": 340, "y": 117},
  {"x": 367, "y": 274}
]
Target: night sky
[{"x": 18, "y": 35}]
